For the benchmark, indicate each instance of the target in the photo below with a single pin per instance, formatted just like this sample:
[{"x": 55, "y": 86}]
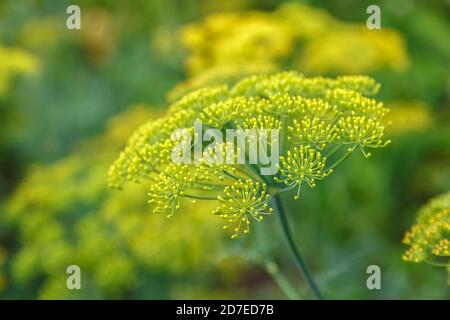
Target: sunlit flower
[
  {"x": 243, "y": 202},
  {"x": 429, "y": 238},
  {"x": 430, "y": 235},
  {"x": 318, "y": 123},
  {"x": 409, "y": 116},
  {"x": 294, "y": 36},
  {"x": 169, "y": 187},
  {"x": 302, "y": 164},
  {"x": 312, "y": 131},
  {"x": 217, "y": 162},
  {"x": 361, "y": 132}
]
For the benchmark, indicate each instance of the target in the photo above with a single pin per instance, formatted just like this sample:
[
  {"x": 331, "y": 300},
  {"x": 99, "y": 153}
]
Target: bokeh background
[{"x": 69, "y": 99}]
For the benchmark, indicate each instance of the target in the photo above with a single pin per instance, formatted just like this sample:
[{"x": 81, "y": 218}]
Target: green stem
[
  {"x": 250, "y": 173},
  {"x": 280, "y": 279},
  {"x": 232, "y": 176},
  {"x": 301, "y": 264},
  {"x": 437, "y": 264},
  {"x": 192, "y": 196},
  {"x": 347, "y": 154},
  {"x": 333, "y": 151}
]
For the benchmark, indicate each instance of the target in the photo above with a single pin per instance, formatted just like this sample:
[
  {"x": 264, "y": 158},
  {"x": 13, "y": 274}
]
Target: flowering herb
[
  {"x": 224, "y": 47},
  {"x": 429, "y": 238},
  {"x": 317, "y": 131},
  {"x": 321, "y": 122}
]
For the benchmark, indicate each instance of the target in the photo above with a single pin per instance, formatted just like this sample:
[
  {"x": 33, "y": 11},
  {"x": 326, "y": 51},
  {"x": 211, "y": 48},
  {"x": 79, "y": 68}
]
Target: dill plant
[
  {"x": 225, "y": 46},
  {"x": 294, "y": 36},
  {"x": 409, "y": 116},
  {"x": 429, "y": 238},
  {"x": 322, "y": 121}
]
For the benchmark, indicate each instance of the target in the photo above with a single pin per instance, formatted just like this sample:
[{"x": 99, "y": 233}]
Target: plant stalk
[
  {"x": 280, "y": 279},
  {"x": 301, "y": 264}
]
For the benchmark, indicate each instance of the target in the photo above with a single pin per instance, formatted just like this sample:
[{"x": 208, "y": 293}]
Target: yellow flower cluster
[
  {"x": 321, "y": 121},
  {"x": 295, "y": 36},
  {"x": 217, "y": 75},
  {"x": 66, "y": 214},
  {"x": 243, "y": 201},
  {"x": 354, "y": 49},
  {"x": 409, "y": 116},
  {"x": 14, "y": 62},
  {"x": 236, "y": 38},
  {"x": 429, "y": 238},
  {"x": 300, "y": 165},
  {"x": 311, "y": 131}
]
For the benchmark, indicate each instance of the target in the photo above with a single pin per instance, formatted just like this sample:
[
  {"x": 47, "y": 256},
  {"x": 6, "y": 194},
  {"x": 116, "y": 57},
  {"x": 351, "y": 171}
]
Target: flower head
[
  {"x": 218, "y": 114},
  {"x": 315, "y": 123},
  {"x": 216, "y": 163},
  {"x": 312, "y": 131},
  {"x": 169, "y": 188},
  {"x": 243, "y": 202},
  {"x": 361, "y": 132},
  {"x": 227, "y": 46},
  {"x": 429, "y": 238},
  {"x": 303, "y": 164},
  {"x": 236, "y": 40}
]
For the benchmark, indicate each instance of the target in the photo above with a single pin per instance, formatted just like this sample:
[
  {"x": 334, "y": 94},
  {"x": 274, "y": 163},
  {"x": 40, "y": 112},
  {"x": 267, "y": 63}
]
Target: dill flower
[
  {"x": 429, "y": 238},
  {"x": 300, "y": 165},
  {"x": 311, "y": 131},
  {"x": 218, "y": 114},
  {"x": 169, "y": 189},
  {"x": 353, "y": 49},
  {"x": 217, "y": 75},
  {"x": 361, "y": 132},
  {"x": 215, "y": 164},
  {"x": 409, "y": 116},
  {"x": 262, "y": 122},
  {"x": 293, "y": 36},
  {"x": 243, "y": 201},
  {"x": 321, "y": 122},
  {"x": 238, "y": 38},
  {"x": 228, "y": 46}
]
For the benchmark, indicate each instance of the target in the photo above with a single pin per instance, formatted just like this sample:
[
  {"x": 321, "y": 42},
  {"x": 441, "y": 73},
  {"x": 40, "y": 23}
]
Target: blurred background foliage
[{"x": 69, "y": 100}]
